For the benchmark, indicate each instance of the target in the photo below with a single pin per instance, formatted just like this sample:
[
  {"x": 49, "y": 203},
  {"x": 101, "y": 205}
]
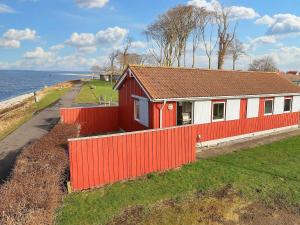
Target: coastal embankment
[{"x": 15, "y": 111}]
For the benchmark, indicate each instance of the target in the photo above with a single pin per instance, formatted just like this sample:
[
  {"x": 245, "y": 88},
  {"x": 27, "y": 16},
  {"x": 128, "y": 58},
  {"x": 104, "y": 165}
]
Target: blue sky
[{"x": 76, "y": 34}]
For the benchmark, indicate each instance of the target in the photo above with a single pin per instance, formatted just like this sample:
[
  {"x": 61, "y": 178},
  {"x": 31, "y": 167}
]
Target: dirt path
[
  {"x": 30, "y": 131},
  {"x": 245, "y": 143}
]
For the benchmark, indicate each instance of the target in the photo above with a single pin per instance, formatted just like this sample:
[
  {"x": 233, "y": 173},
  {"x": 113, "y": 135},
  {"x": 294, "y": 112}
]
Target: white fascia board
[{"x": 225, "y": 97}]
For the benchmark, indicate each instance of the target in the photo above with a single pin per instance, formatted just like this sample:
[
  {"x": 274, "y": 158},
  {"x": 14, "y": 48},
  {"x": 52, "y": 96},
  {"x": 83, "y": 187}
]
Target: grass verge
[
  {"x": 268, "y": 174},
  {"x": 15, "y": 117},
  {"x": 92, "y": 90}
]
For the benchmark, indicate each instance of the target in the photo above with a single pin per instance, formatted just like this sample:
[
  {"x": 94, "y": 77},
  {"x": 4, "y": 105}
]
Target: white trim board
[{"x": 244, "y": 136}]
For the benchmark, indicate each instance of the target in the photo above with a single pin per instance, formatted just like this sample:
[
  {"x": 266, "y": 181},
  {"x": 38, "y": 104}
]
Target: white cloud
[
  {"x": 281, "y": 24},
  {"x": 56, "y": 47},
  {"x": 111, "y": 35},
  {"x": 38, "y": 53},
  {"x": 88, "y": 42},
  {"x": 266, "y": 39},
  {"x": 12, "y": 38},
  {"x": 236, "y": 12},
  {"x": 266, "y": 19},
  {"x": 208, "y": 5},
  {"x": 5, "y": 8},
  {"x": 241, "y": 12},
  {"x": 4, "y": 43},
  {"x": 81, "y": 40},
  {"x": 91, "y": 3},
  {"x": 26, "y": 34},
  {"x": 138, "y": 44}
]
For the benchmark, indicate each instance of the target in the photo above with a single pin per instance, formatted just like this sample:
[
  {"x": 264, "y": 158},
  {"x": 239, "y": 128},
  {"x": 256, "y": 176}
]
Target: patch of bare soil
[
  {"x": 223, "y": 207},
  {"x": 35, "y": 187}
]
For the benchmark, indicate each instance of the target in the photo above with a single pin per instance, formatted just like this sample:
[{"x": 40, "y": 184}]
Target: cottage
[
  {"x": 239, "y": 102},
  {"x": 171, "y": 111}
]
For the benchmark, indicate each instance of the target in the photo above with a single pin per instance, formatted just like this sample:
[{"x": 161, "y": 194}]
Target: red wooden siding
[
  {"x": 224, "y": 129},
  {"x": 102, "y": 160},
  {"x": 169, "y": 115},
  {"x": 93, "y": 120},
  {"x": 127, "y": 122}
]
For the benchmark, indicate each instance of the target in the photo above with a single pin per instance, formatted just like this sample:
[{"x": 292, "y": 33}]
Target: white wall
[
  {"x": 252, "y": 107},
  {"x": 296, "y": 104},
  {"x": 278, "y": 105},
  {"x": 144, "y": 112},
  {"x": 233, "y": 109},
  {"x": 202, "y": 112}
]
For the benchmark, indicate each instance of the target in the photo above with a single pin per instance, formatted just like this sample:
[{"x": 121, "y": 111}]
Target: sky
[{"x": 77, "y": 34}]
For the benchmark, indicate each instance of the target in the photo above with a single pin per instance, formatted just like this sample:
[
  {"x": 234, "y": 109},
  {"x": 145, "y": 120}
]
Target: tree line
[{"x": 170, "y": 34}]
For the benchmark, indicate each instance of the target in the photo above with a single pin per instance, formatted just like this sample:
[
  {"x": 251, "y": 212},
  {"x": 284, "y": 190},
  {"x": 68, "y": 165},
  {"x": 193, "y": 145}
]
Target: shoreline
[{"x": 13, "y": 101}]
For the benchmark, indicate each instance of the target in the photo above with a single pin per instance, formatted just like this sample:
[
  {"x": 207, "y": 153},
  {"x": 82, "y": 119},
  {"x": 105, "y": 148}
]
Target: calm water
[{"x": 18, "y": 82}]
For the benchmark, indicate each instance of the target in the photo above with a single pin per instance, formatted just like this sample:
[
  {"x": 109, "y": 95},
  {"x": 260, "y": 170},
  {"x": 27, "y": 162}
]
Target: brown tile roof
[
  {"x": 292, "y": 77},
  {"x": 167, "y": 82}
]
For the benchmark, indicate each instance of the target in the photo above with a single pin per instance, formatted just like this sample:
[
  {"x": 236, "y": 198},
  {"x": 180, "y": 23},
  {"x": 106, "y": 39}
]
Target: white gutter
[{"x": 161, "y": 113}]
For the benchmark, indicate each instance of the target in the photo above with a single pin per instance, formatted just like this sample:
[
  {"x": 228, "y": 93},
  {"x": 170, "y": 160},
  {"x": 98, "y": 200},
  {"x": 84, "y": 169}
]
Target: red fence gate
[{"x": 97, "y": 161}]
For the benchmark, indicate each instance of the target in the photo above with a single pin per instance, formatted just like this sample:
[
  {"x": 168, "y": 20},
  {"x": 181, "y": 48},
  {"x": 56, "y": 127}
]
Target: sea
[{"x": 18, "y": 82}]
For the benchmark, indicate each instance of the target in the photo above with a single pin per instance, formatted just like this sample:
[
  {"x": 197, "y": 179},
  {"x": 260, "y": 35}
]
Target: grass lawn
[
  {"x": 92, "y": 90},
  {"x": 15, "y": 118},
  {"x": 51, "y": 97},
  {"x": 269, "y": 174}
]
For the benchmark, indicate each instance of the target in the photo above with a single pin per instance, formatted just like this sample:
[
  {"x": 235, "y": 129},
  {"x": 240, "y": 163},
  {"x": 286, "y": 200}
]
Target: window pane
[
  {"x": 218, "y": 111},
  {"x": 136, "y": 109},
  {"x": 268, "y": 106},
  {"x": 287, "y": 105}
]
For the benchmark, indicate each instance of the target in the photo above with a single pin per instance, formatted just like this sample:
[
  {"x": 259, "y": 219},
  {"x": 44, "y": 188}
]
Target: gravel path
[{"x": 30, "y": 131}]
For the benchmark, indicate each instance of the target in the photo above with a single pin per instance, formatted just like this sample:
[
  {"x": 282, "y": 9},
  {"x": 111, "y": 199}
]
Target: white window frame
[
  {"x": 291, "y": 105},
  {"x": 268, "y": 99},
  {"x": 135, "y": 100},
  {"x": 212, "y": 110}
]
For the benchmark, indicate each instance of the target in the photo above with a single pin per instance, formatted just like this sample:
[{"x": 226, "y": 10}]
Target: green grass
[
  {"x": 92, "y": 90},
  {"x": 51, "y": 97},
  {"x": 270, "y": 174}
]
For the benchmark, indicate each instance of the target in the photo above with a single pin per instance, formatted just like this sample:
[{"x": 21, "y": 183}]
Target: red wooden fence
[
  {"x": 97, "y": 161},
  {"x": 92, "y": 120}
]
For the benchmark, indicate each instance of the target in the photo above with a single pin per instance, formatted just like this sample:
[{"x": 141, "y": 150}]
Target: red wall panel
[
  {"x": 102, "y": 160},
  {"x": 127, "y": 122},
  {"x": 93, "y": 120}
]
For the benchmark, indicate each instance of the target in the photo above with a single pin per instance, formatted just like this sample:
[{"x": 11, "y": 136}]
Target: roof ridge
[{"x": 201, "y": 69}]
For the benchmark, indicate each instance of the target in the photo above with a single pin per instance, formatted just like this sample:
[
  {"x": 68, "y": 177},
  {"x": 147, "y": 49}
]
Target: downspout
[{"x": 161, "y": 113}]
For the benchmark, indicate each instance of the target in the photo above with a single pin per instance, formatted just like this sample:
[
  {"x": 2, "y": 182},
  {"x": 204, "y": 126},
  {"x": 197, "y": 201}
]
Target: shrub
[{"x": 35, "y": 187}]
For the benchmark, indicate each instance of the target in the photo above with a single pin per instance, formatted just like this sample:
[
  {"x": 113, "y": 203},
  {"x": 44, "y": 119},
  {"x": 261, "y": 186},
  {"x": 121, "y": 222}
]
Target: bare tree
[
  {"x": 225, "y": 35},
  {"x": 161, "y": 34},
  {"x": 208, "y": 42},
  {"x": 182, "y": 24},
  {"x": 112, "y": 58},
  {"x": 266, "y": 64},
  {"x": 236, "y": 49},
  {"x": 200, "y": 19},
  {"x": 123, "y": 60},
  {"x": 95, "y": 70}
]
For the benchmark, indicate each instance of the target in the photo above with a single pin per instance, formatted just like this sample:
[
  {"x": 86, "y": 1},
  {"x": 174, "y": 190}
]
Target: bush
[{"x": 36, "y": 185}]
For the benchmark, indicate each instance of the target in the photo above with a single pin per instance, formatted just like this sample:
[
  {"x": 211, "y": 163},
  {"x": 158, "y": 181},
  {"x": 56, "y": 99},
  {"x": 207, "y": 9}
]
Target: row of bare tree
[{"x": 169, "y": 35}]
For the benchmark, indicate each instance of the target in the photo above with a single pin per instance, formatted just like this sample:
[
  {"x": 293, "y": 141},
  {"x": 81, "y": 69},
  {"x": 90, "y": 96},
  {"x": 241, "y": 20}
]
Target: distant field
[
  {"x": 268, "y": 175},
  {"x": 94, "y": 89}
]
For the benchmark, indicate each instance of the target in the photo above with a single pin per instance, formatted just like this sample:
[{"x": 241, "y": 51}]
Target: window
[
  {"x": 137, "y": 109},
  {"x": 287, "y": 105},
  {"x": 184, "y": 113},
  {"x": 218, "y": 111},
  {"x": 268, "y": 106}
]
